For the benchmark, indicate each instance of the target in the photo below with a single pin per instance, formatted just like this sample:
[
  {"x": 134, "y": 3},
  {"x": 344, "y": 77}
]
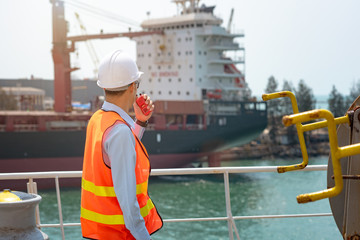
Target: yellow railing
[
  {"x": 299, "y": 128},
  {"x": 336, "y": 152}
]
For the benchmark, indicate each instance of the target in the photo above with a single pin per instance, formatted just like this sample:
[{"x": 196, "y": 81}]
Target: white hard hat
[{"x": 117, "y": 70}]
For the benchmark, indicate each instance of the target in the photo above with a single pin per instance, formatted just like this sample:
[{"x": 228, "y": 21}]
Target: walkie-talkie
[{"x": 140, "y": 101}]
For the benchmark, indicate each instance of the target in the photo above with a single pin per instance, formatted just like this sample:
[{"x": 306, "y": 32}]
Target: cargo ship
[{"x": 202, "y": 102}]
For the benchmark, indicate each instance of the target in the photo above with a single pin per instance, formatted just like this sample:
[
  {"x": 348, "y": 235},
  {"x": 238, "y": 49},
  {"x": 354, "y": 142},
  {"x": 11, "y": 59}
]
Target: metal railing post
[
  {"x": 59, "y": 207},
  {"x": 32, "y": 188},
  {"x": 230, "y": 218}
]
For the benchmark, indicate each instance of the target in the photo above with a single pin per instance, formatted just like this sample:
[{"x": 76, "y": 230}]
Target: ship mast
[
  {"x": 188, "y": 8},
  {"x": 61, "y": 58}
]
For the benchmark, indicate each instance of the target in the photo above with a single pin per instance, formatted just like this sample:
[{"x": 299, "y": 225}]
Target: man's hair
[{"x": 114, "y": 93}]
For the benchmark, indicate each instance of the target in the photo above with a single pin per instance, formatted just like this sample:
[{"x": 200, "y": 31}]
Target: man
[{"x": 114, "y": 199}]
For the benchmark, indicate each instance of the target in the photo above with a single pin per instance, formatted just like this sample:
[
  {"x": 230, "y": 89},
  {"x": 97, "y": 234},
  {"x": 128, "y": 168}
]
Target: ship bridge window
[
  {"x": 159, "y": 92},
  {"x": 170, "y": 92},
  {"x": 169, "y": 79},
  {"x": 159, "y": 80},
  {"x": 179, "y": 66},
  {"x": 151, "y": 92},
  {"x": 199, "y": 65},
  {"x": 190, "y": 66},
  {"x": 188, "y": 93},
  {"x": 191, "y": 79},
  {"x": 150, "y": 80},
  {"x": 179, "y": 80},
  {"x": 169, "y": 67},
  {"x": 178, "y": 92},
  {"x": 199, "y": 25},
  {"x": 159, "y": 67},
  {"x": 191, "y": 119},
  {"x": 149, "y": 42},
  {"x": 199, "y": 52},
  {"x": 222, "y": 121},
  {"x": 149, "y": 67},
  {"x": 149, "y": 54},
  {"x": 179, "y": 53}
]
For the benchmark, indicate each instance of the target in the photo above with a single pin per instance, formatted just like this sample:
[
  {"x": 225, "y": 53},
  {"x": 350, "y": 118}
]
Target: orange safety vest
[{"x": 101, "y": 215}]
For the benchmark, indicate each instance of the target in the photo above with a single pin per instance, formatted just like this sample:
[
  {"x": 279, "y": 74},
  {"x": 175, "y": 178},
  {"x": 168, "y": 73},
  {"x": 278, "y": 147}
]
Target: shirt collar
[{"x": 112, "y": 107}]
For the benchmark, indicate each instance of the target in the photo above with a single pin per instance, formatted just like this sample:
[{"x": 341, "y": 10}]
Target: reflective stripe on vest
[
  {"x": 103, "y": 191},
  {"x": 113, "y": 219}
]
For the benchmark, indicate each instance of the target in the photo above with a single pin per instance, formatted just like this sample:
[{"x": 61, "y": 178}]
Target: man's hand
[{"x": 139, "y": 114}]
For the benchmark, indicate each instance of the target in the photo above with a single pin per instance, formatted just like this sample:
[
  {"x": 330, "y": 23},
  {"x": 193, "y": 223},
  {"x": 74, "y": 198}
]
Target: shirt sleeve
[
  {"x": 119, "y": 145},
  {"x": 139, "y": 130}
]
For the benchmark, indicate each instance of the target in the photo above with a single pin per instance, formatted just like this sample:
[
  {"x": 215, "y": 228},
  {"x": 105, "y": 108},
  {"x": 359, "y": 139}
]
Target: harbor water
[{"x": 203, "y": 196}]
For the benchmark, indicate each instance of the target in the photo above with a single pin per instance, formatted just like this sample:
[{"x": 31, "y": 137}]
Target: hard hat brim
[{"x": 120, "y": 86}]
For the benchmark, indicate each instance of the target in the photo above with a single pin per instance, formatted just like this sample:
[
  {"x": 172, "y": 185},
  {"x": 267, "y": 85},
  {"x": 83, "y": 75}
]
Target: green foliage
[
  {"x": 285, "y": 104},
  {"x": 287, "y": 109},
  {"x": 305, "y": 97},
  {"x": 354, "y": 93},
  {"x": 336, "y": 103},
  {"x": 273, "y": 106}
]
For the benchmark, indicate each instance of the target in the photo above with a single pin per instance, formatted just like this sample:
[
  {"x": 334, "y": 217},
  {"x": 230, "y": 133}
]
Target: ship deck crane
[{"x": 89, "y": 45}]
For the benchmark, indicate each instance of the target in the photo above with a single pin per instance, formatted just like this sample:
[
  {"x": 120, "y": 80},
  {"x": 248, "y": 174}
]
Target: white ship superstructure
[{"x": 188, "y": 61}]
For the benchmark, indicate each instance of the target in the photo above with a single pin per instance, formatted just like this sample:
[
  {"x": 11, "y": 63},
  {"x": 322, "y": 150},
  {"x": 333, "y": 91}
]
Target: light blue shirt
[{"x": 120, "y": 155}]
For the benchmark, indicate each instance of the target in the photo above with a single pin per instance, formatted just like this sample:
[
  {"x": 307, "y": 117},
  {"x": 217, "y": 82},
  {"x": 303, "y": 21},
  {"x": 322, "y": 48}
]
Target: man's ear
[{"x": 132, "y": 87}]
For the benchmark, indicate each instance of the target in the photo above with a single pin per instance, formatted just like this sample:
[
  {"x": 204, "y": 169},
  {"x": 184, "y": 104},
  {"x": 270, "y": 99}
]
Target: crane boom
[
  {"x": 230, "y": 20},
  {"x": 89, "y": 45}
]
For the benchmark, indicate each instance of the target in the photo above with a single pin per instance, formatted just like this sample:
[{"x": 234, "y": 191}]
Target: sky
[{"x": 314, "y": 40}]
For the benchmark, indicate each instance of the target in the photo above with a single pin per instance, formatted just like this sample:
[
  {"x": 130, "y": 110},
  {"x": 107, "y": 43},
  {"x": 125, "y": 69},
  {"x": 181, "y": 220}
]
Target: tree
[
  {"x": 286, "y": 108},
  {"x": 336, "y": 103},
  {"x": 305, "y": 97},
  {"x": 273, "y": 104},
  {"x": 354, "y": 93},
  {"x": 285, "y": 104}
]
